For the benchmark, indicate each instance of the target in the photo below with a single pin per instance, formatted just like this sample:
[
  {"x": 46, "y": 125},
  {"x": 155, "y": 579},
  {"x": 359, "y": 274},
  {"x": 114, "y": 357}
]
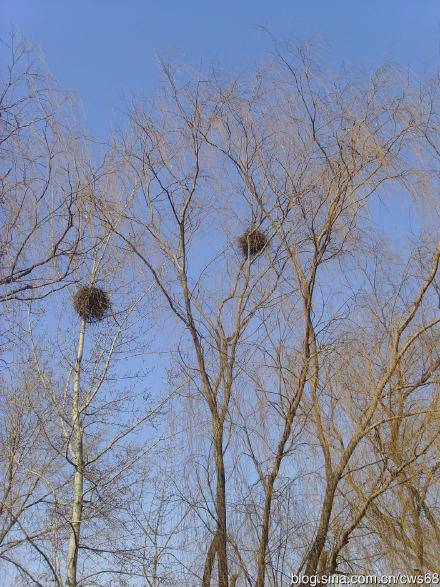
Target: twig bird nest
[
  {"x": 91, "y": 303},
  {"x": 252, "y": 242}
]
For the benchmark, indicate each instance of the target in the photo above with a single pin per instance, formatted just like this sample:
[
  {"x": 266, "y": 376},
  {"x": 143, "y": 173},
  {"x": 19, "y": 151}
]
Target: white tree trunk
[{"x": 78, "y": 459}]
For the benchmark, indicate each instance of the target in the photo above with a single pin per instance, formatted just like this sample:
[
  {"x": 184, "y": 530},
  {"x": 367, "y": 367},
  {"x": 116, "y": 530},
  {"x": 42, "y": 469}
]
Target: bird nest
[
  {"x": 91, "y": 303},
  {"x": 252, "y": 242}
]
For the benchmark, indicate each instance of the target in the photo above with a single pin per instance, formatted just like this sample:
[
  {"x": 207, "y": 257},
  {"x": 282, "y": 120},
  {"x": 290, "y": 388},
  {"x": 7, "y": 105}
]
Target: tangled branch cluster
[
  {"x": 252, "y": 242},
  {"x": 91, "y": 303}
]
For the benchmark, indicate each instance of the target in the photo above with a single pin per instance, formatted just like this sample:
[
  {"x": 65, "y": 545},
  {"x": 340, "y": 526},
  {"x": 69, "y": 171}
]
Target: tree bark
[
  {"x": 209, "y": 562},
  {"x": 78, "y": 458},
  {"x": 220, "y": 504}
]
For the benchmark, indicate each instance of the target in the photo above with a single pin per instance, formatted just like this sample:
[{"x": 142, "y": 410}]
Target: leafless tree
[
  {"x": 169, "y": 205},
  {"x": 246, "y": 226},
  {"x": 313, "y": 154},
  {"x": 40, "y": 179},
  {"x": 89, "y": 418}
]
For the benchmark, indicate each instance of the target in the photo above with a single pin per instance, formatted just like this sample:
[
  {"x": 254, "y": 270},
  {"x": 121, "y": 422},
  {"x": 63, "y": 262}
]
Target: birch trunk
[{"x": 78, "y": 459}]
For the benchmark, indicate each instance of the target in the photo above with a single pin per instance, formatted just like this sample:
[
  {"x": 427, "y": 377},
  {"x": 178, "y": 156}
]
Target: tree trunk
[
  {"x": 78, "y": 459},
  {"x": 264, "y": 533},
  {"x": 209, "y": 562},
  {"x": 220, "y": 505},
  {"x": 321, "y": 535},
  {"x": 269, "y": 485}
]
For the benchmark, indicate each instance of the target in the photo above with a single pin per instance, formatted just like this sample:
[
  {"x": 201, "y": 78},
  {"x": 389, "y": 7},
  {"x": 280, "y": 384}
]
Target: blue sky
[{"x": 104, "y": 50}]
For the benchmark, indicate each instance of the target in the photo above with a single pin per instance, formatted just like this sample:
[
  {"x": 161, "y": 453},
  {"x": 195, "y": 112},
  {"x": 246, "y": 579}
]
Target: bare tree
[
  {"x": 168, "y": 176},
  {"x": 312, "y": 170},
  {"x": 26, "y": 469},
  {"x": 40, "y": 179},
  {"x": 91, "y": 422},
  {"x": 244, "y": 225}
]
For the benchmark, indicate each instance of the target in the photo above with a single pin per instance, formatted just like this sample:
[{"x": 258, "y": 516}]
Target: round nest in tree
[
  {"x": 252, "y": 242},
  {"x": 91, "y": 303}
]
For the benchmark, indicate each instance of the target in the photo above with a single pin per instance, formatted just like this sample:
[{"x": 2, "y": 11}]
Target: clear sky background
[{"x": 104, "y": 50}]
